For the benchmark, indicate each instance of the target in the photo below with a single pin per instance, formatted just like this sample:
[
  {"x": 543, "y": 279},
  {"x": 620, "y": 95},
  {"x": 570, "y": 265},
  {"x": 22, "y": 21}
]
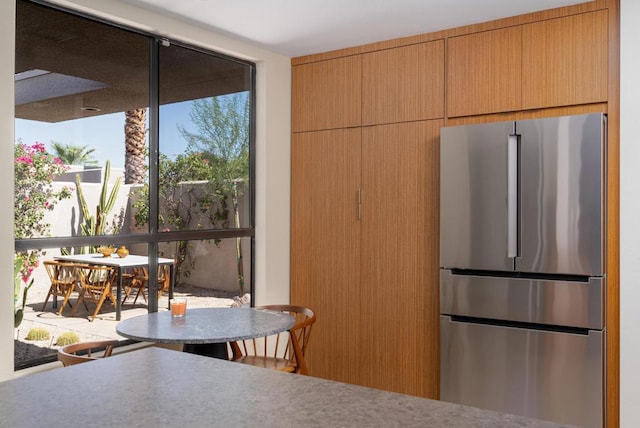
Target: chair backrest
[
  {"x": 291, "y": 345},
  {"x": 97, "y": 277},
  {"x": 61, "y": 272},
  {"x": 82, "y": 352},
  {"x": 164, "y": 279}
]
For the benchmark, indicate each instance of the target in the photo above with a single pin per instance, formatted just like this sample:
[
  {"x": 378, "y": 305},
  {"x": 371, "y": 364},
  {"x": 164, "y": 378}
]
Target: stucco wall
[
  {"x": 7, "y": 44},
  {"x": 211, "y": 265},
  {"x": 629, "y": 214}
]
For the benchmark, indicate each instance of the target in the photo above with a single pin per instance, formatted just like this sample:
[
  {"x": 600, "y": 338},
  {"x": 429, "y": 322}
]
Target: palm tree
[
  {"x": 70, "y": 154},
  {"x": 135, "y": 131}
]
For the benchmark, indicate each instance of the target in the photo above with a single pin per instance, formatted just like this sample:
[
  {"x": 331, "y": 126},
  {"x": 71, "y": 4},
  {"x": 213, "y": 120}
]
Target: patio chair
[
  {"x": 283, "y": 351},
  {"x": 128, "y": 278},
  {"x": 63, "y": 282},
  {"x": 96, "y": 286},
  {"x": 82, "y": 352},
  {"x": 139, "y": 283}
]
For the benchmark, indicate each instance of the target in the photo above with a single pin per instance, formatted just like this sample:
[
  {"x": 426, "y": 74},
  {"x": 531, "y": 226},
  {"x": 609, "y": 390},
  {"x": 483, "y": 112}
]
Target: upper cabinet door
[
  {"x": 564, "y": 61},
  {"x": 474, "y": 185},
  {"x": 483, "y": 72},
  {"x": 403, "y": 84},
  {"x": 327, "y": 94}
]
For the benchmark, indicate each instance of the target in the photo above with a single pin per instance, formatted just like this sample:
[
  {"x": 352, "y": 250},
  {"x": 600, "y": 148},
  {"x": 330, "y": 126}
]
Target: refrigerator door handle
[{"x": 512, "y": 195}]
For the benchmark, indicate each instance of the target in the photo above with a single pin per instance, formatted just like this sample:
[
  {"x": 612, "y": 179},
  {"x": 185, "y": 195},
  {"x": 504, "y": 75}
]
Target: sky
[{"x": 105, "y": 133}]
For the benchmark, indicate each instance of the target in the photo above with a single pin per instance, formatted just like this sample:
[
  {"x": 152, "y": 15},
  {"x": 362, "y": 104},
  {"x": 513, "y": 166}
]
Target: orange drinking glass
[{"x": 178, "y": 307}]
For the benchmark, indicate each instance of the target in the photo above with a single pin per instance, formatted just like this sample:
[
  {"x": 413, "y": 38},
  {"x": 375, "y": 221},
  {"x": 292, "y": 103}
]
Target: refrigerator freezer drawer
[
  {"x": 542, "y": 374},
  {"x": 553, "y": 302}
]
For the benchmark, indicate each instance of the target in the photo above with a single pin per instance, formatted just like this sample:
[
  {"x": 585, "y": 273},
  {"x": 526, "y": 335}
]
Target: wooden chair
[
  {"x": 284, "y": 351},
  {"x": 63, "y": 282},
  {"x": 82, "y": 352},
  {"x": 139, "y": 283},
  {"x": 96, "y": 285}
]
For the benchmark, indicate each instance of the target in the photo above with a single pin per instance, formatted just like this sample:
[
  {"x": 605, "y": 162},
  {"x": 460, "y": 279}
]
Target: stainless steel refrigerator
[{"x": 522, "y": 257}]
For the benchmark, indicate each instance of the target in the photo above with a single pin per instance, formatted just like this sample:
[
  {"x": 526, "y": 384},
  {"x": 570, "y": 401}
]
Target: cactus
[
  {"x": 67, "y": 338},
  {"x": 94, "y": 225},
  {"x": 38, "y": 333}
]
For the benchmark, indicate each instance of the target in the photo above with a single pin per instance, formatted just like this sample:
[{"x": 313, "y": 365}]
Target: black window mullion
[{"x": 154, "y": 153}]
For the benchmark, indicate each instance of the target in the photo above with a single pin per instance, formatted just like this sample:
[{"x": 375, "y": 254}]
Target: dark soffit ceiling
[{"x": 97, "y": 69}]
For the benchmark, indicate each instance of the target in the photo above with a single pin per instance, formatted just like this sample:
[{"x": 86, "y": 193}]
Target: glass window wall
[{"x": 125, "y": 139}]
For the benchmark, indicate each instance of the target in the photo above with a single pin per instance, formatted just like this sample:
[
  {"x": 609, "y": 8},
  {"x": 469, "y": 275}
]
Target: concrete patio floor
[{"x": 102, "y": 328}]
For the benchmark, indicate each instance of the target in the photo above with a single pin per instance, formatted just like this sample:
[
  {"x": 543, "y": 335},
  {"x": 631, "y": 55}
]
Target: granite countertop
[{"x": 159, "y": 387}]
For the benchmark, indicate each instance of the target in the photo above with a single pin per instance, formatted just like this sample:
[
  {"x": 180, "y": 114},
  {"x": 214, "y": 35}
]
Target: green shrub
[
  {"x": 67, "y": 338},
  {"x": 38, "y": 333}
]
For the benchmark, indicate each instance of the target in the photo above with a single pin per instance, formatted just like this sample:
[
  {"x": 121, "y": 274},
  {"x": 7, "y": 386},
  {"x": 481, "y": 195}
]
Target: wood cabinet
[
  {"x": 564, "y": 61},
  {"x": 403, "y": 84},
  {"x": 368, "y": 118},
  {"x": 362, "y": 268},
  {"x": 552, "y": 63},
  {"x": 400, "y": 307},
  {"x": 483, "y": 72},
  {"x": 327, "y": 94},
  {"x": 325, "y": 247}
]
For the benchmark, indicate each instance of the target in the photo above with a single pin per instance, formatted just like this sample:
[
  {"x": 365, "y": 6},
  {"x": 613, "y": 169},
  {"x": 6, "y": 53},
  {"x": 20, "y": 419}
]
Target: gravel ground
[{"x": 26, "y": 350}]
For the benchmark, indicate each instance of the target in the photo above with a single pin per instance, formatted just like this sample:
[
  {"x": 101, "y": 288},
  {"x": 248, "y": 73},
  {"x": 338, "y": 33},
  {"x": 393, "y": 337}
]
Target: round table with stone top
[{"x": 205, "y": 331}]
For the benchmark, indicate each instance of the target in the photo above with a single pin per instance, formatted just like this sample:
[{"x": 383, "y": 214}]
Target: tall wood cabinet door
[
  {"x": 325, "y": 247},
  {"x": 400, "y": 194},
  {"x": 327, "y": 94},
  {"x": 403, "y": 84},
  {"x": 564, "y": 61},
  {"x": 484, "y": 72}
]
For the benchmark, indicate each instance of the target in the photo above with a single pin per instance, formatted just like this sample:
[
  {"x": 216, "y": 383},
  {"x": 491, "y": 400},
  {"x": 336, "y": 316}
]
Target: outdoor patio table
[
  {"x": 205, "y": 331},
  {"x": 131, "y": 261}
]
